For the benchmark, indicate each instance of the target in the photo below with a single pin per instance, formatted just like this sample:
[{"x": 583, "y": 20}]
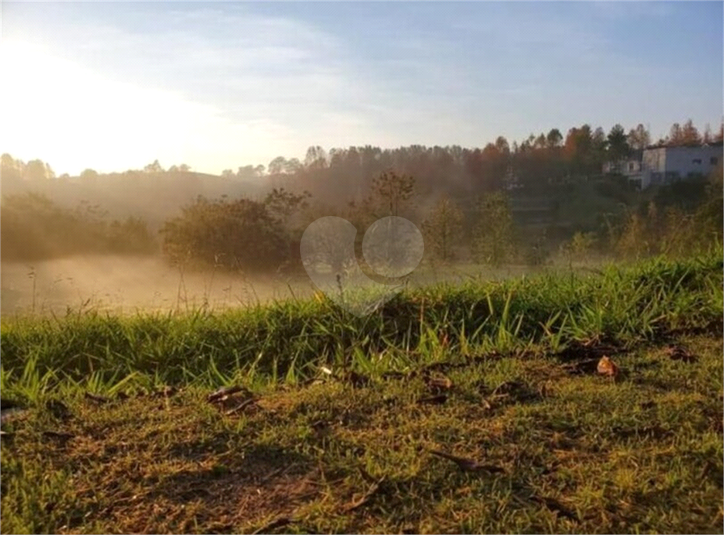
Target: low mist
[{"x": 125, "y": 284}]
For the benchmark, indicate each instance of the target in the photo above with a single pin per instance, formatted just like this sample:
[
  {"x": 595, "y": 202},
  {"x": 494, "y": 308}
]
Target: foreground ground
[
  {"x": 345, "y": 428},
  {"x": 564, "y": 449}
]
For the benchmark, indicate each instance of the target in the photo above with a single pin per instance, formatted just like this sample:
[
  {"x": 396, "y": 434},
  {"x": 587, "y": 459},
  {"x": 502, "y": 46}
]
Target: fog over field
[{"x": 127, "y": 284}]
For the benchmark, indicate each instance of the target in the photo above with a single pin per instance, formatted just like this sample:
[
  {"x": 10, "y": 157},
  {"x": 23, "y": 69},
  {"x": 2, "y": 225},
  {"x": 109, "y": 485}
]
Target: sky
[{"x": 115, "y": 86}]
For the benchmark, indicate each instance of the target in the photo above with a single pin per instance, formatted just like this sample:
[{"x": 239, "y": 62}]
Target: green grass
[
  {"x": 349, "y": 451},
  {"x": 625, "y": 305},
  {"x": 577, "y": 453}
]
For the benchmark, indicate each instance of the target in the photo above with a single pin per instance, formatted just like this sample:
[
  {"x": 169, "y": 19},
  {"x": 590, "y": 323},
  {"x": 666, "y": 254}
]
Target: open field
[{"x": 343, "y": 422}]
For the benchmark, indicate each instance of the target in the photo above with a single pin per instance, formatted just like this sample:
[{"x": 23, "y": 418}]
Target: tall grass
[{"x": 291, "y": 339}]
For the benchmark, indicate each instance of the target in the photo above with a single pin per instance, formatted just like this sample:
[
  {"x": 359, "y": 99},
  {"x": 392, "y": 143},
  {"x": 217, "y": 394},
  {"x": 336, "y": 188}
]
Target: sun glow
[{"x": 73, "y": 118}]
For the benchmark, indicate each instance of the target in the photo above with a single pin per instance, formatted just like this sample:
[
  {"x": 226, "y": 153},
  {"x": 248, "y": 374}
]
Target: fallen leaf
[{"x": 607, "y": 367}]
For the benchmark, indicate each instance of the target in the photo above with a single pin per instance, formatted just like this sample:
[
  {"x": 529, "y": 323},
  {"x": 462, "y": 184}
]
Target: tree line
[{"x": 460, "y": 198}]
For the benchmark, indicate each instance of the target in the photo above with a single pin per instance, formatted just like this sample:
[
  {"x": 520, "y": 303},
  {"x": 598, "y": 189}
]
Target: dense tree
[
  {"x": 618, "y": 147},
  {"x": 238, "y": 234},
  {"x": 554, "y": 138}
]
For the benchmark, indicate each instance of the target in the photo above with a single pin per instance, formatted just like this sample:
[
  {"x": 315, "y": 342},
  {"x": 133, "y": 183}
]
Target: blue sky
[{"x": 114, "y": 86}]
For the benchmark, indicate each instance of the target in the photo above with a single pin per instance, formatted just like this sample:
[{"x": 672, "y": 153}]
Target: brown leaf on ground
[{"x": 607, "y": 367}]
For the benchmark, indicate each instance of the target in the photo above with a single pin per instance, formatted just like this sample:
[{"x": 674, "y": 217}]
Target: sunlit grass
[
  {"x": 339, "y": 437},
  {"x": 624, "y": 305}
]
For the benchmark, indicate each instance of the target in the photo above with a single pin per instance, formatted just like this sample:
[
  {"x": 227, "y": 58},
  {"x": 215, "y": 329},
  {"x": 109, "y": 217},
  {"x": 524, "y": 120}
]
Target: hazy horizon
[{"x": 114, "y": 86}]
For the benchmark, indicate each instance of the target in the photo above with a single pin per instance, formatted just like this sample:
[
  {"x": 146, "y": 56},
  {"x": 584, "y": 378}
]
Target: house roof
[{"x": 665, "y": 146}]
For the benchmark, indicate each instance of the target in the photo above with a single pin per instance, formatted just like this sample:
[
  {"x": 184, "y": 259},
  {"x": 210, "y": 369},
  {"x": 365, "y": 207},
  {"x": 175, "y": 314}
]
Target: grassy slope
[{"x": 571, "y": 451}]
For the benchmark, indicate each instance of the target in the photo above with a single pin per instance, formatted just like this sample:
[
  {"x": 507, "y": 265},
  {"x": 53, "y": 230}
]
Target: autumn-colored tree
[
  {"x": 676, "y": 135},
  {"x": 690, "y": 135},
  {"x": 639, "y": 138}
]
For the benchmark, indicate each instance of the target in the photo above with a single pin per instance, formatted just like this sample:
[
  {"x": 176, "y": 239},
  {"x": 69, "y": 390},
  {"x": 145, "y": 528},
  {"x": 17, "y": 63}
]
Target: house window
[
  {"x": 631, "y": 166},
  {"x": 714, "y": 160},
  {"x": 696, "y": 160}
]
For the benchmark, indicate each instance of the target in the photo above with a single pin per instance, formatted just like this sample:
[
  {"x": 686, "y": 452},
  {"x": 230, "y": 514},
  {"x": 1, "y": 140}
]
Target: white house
[
  {"x": 663, "y": 165},
  {"x": 629, "y": 167}
]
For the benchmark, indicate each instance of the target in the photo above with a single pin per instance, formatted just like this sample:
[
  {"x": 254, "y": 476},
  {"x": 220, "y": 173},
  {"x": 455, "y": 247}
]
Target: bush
[{"x": 239, "y": 234}]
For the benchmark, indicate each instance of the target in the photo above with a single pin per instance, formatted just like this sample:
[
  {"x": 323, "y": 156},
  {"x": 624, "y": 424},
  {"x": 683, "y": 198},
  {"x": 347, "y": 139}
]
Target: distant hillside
[{"x": 154, "y": 197}]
